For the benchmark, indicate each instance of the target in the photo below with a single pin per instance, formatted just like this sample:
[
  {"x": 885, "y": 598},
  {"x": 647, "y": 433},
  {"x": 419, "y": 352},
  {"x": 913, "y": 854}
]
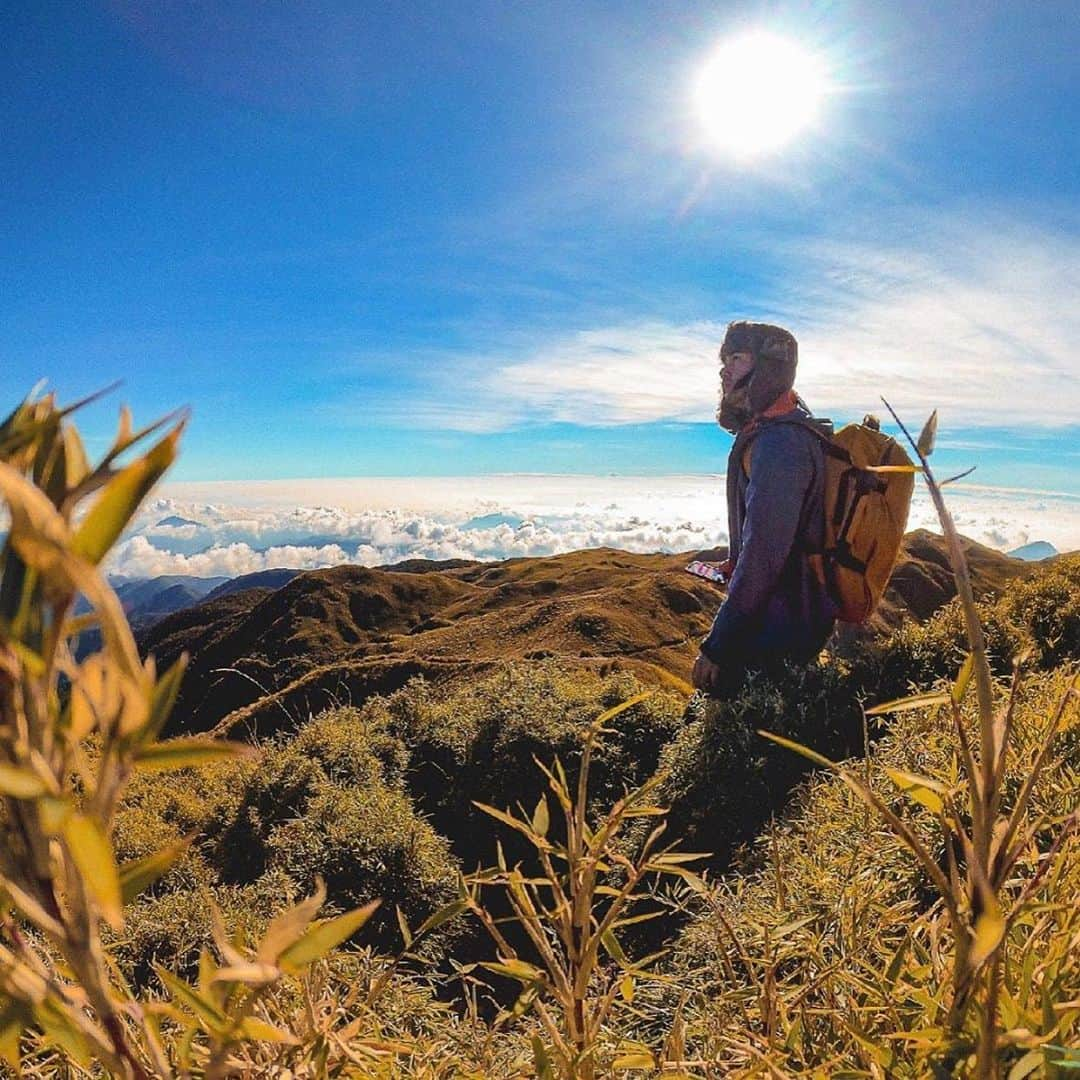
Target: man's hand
[{"x": 706, "y": 675}]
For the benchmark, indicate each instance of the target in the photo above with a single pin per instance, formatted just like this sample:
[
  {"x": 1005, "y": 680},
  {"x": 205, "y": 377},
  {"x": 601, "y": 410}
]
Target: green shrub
[
  {"x": 1039, "y": 615},
  {"x": 331, "y": 801},
  {"x": 477, "y": 741},
  {"x": 723, "y": 780},
  {"x": 171, "y": 926},
  {"x": 1047, "y": 606},
  {"x": 327, "y": 802}
]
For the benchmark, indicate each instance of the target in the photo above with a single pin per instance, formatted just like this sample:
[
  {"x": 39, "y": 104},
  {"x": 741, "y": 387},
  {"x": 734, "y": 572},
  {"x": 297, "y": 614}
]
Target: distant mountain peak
[
  {"x": 175, "y": 521},
  {"x": 1033, "y": 552}
]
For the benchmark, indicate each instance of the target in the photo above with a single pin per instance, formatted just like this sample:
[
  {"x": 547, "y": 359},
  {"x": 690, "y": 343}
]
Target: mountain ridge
[{"x": 262, "y": 654}]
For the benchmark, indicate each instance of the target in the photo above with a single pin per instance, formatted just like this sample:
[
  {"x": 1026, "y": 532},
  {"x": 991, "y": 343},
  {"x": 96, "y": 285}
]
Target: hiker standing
[{"x": 777, "y": 607}]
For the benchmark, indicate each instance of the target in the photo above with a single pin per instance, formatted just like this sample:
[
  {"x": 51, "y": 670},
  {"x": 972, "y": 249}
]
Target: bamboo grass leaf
[
  {"x": 251, "y": 1027},
  {"x": 905, "y": 704},
  {"x": 928, "y": 435},
  {"x": 443, "y": 915},
  {"x": 250, "y": 974},
  {"x": 163, "y": 697},
  {"x": 286, "y": 928},
  {"x": 21, "y": 783},
  {"x": 613, "y": 948},
  {"x": 634, "y": 1056},
  {"x": 616, "y": 710},
  {"x": 324, "y": 936},
  {"x": 185, "y": 751},
  {"x": 15, "y": 1018},
  {"x": 60, "y": 1028},
  {"x": 92, "y": 853},
  {"x": 541, "y": 821},
  {"x": 541, "y": 1060},
  {"x": 892, "y": 972},
  {"x": 805, "y": 751},
  {"x": 198, "y": 1004},
  {"x": 922, "y": 789},
  {"x": 790, "y": 928},
  {"x": 514, "y": 823},
  {"x": 139, "y": 874},
  {"x": 989, "y": 928},
  {"x": 677, "y": 858},
  {"x": 513, "y": 968},
  {"x": 12, "y": 1024},
  {"x": 121, "y": 497},
  {"x": 403, "y": 926},
  {"x": 1026, "y": 1065},
  {"x": 76, "y": 465},
  {"x": 963, "y": 678},
  {"x": 668, "y": 679}
]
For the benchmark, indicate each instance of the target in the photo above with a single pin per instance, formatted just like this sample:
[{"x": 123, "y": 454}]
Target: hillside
[
  {"x": 341, "y": 634},
  {"x": 812, "y": 900}
]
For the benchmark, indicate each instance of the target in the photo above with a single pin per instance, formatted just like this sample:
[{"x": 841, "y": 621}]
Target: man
[{"x": 776, "y": 607}]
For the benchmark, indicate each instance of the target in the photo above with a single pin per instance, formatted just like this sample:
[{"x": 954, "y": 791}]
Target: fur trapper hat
[{"x": 776, "y": 354}]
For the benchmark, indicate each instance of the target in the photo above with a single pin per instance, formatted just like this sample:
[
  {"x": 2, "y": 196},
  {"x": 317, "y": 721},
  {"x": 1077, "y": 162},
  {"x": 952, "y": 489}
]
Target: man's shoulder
[
  {"x": 784, "y": 451},
  {"x": 789, "y": 433}
]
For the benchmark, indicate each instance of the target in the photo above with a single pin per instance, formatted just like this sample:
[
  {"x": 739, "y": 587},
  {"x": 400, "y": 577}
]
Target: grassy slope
[{"x": 378, "y": 799}]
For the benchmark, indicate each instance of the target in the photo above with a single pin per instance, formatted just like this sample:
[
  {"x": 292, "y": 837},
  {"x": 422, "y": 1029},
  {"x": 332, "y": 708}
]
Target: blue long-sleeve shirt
[{"x": 776, "y": 605}]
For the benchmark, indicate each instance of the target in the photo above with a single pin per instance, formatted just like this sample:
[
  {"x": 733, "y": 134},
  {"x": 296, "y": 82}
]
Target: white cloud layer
[
  {"x": 230, "y": 528},
  {"x": 975, "y": 317}
]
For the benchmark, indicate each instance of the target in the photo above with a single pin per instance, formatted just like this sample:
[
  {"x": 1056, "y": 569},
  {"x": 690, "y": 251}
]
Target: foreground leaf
[
  {"x": 189, "y": 750},
  {"x": 541, "y": 1060},
  {"x": 21, "y": 783},
  {"x": 202, "y": 1007},
  {"x": 963, "y": 678},
  {"x": 443, "y": 915},
  {"x": 326, "y": 935},
  {"x": 928, "y": 435},
  {"x": 92, "y": 853},
  {"x": 915, "y": 701},
  {"x": 139, "y": 874},
  {"x": 515, "y": 969},
  {"x": 990, "y": 927},
  {"x": 615, "y": 710},
  {"x": 921, "y": 789},
  {"x": 259, "y": 1030},
  {"x": 115, "y": 506}
]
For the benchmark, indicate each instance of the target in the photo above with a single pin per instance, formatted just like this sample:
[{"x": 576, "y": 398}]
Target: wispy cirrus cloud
[{"x": 976, "y": 316}]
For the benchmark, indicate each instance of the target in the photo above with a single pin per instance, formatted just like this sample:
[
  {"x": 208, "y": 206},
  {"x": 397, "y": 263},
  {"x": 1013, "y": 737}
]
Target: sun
[{"x": 758, "y": 91}]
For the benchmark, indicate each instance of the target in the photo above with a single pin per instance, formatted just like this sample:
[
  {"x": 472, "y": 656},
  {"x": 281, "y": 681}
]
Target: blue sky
[{"x": 431, "y": 239}]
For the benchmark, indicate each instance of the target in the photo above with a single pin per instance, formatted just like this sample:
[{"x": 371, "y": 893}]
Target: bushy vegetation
[
  {"x": 328, "y": 802},
  {"x": 1037, "y": 617},
  {"x": 478, "y": 741},
  {"x": 828, "y": 954}
]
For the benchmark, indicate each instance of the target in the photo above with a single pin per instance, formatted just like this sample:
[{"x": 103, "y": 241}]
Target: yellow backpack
[{"x": 866, "y": 511}]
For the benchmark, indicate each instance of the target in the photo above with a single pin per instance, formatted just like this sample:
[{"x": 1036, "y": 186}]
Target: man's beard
[{"x": 734, "y": 411}]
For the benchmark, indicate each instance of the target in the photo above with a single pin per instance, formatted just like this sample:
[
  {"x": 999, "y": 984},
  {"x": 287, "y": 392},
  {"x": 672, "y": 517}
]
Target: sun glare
[{"x": 757, "y": 92}]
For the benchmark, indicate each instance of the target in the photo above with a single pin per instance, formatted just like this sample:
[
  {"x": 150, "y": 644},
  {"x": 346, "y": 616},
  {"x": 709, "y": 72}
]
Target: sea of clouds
[{"x": 233, "y": 528}]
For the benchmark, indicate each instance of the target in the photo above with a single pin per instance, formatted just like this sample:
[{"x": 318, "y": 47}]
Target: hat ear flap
[
  {"x": 771, "y": 378},
  {"x": 774, "y": 372}
]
